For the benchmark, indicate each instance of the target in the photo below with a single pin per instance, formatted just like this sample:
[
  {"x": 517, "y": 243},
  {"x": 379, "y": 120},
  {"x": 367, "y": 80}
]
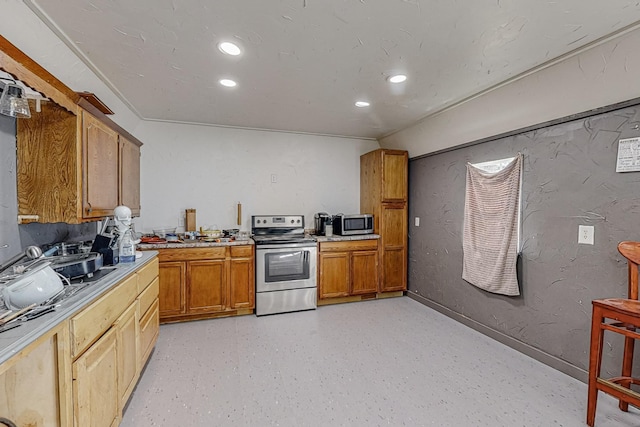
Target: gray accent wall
[
  {"x": 13, "y": 237},
  {"x": 569, "y": 179},
  {"x": 9, "y": 236}
]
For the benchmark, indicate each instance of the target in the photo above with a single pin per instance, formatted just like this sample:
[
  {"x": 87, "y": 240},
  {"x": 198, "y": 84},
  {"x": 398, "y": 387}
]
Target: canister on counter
[{"x": 190, "y": 220}]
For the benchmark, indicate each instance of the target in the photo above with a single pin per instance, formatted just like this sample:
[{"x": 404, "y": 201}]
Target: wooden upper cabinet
[
  {"x": 130, "y": 175},
  {"x": 49, "y": 166},
  {"x": 100, "y": 168},
  {"x": 74, "y": 167},
  {"x": 383, "y": 178},
  {"x": 394, "y": 176}
]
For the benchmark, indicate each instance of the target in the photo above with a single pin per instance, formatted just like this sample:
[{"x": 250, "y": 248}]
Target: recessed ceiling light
[
  {"x": 362, "y": 104},
  {"x": 229, "y": 48},
  {"x": 228, "y": 83},
  {"x": 398, "y": 78}
]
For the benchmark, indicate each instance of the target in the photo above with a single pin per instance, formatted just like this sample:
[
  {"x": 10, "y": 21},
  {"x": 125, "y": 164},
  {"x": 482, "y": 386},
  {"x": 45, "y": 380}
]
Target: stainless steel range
[{"x": 285, "y": 264}]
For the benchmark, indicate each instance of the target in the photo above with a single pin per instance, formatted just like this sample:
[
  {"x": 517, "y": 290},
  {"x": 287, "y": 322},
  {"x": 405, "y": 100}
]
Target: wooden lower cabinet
[
  {"x": 242, "y": 292},
  {"x": 347, "y": 268},
  {"x": 111, "y": 341},
  {"x": 393, "y": 249},
  {"x": 173, "y": 275},
  {"x": 36, "y": 383},
  {"x": 364, "y": 272},
  {"x": 127, "y": 332},
  {"x": 95, "y": 384},
  {"x": 334, "y": 274},
  {"x": 204, "y": 282},
  {"x": 207, "y": 286}
]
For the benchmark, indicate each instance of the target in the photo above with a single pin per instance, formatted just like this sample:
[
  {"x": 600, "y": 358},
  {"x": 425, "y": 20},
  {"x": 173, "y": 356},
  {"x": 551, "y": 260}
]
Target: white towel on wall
[{"x": 490, "y": 235}]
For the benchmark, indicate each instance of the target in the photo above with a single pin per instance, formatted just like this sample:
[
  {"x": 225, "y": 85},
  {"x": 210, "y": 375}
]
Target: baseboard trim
[{"x": 535, "y": 353}]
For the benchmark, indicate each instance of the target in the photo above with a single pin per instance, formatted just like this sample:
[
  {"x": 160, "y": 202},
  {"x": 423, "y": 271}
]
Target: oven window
[{"x": 283, "y": 266}]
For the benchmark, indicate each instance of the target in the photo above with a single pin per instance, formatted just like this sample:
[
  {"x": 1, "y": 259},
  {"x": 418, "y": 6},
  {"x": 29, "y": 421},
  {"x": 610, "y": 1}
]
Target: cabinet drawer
[
  {"x": 241, "y": 251},
  {"x": 93, "y": 321},
  {"x": 349, "y": 245},
  {"x": 148, "y": 296},
  {"x": 149, "y": 328},
  {"x": 146, "y": 274},
  {"x": 188, "y": 254}
]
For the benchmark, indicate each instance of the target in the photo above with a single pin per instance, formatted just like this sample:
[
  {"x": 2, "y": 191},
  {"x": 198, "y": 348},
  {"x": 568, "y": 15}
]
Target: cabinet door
[
  {"x": 95, "y": 384},
  {"x": 127, "y": 347},
  {"x": 206, "y": 286},
  {"x": 130, "y": 175},
  {"x": 364, "y": 272},
  {"x": 149, "y": 329},
  {"x": 242, "y": 283},
  {"x": 100, "y": 168},
  {"x": 30, "y": 388},
  {"x": 172, "y": 293},
  {"x": 334, "y": 275},
  {"x": 394, "y": 247},
  {"x": 394, "y": 176}
]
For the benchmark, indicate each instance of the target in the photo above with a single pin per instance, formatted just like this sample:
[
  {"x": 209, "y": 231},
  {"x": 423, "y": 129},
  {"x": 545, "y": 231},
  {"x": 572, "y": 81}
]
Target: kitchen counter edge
[
  {"x": 190, "y": 244},
  {"x": 321, "y": 239},
  {"x": 15, "y": 340}
]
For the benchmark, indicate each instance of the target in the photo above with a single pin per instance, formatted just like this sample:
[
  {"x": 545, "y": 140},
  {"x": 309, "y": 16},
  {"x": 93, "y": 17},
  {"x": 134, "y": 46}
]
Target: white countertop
[{"x": 16, "y": 339}]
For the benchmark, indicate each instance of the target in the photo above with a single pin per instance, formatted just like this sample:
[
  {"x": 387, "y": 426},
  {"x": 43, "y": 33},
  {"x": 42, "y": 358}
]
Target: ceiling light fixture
[
  {"x": 13, "y": 102},
  {"x": 362, "y": 104},
  {"x": 229, "y": 48},
  {"x": 228, "y": 83},
  {"x": 398, "y": 78}
]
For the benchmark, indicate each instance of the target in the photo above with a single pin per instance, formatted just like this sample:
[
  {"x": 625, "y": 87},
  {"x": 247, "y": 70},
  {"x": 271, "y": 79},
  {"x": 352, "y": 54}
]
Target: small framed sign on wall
[{"x": 628, "y": 155}]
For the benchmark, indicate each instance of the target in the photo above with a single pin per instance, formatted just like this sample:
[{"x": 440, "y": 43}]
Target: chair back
[{"x": 631, "y": 251}]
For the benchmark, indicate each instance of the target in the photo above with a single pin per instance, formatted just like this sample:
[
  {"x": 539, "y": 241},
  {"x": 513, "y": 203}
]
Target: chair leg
[
  {"x": 595, "y": 361},
  {"x": 627, "y": 366}
]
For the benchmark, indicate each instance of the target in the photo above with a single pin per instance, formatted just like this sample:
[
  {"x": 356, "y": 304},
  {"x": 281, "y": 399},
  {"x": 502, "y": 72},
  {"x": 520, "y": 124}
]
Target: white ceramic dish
[{"x": 32, "y": 287}]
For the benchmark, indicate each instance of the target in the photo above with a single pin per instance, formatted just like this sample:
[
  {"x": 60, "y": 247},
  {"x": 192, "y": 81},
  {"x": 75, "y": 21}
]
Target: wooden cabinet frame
[
  {"x": 206, "y": 282},
  {"x": 383, "y": 193},
  {"x": 348, "y": 268}
]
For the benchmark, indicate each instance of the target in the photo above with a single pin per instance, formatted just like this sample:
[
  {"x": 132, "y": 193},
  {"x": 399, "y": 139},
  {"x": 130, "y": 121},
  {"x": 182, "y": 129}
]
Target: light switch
[
  {"x": 585, "y": 234},
  {"x": 274, "y": 178},
  {"x": 416, "y": 221}
]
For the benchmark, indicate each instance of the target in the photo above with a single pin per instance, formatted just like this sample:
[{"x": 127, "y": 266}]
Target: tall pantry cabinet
[{"x": 383, "y": 193}]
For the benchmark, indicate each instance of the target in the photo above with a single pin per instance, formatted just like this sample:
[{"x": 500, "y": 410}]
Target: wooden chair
[{"x": 620, "y": 315}]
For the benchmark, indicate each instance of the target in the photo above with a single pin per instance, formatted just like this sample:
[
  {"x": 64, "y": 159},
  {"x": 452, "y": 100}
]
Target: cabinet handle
[{"x": 90, "y": 208}]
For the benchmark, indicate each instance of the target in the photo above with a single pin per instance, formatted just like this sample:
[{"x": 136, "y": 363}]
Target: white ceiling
[{"x": 306, "y": 62}]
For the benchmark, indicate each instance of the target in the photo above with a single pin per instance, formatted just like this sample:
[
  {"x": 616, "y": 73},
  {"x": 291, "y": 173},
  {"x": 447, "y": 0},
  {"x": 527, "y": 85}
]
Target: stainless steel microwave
[{"x": 348, "y": 225}]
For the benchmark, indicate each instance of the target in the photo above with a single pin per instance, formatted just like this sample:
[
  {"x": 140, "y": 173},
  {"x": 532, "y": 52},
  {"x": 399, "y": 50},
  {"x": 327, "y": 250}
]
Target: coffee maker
[{"x": 321, "y": 219}]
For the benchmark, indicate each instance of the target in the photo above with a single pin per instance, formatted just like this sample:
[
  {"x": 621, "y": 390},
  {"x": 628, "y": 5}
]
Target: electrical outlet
[
  {"x": 274, "y": 178},
  {"x": 181, "y": 219},
  {"x": 416, "y": 221},
  {"x": 585, "y": 234}
]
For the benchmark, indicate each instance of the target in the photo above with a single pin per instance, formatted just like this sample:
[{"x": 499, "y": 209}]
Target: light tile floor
[{"x": 388, "y": 362}]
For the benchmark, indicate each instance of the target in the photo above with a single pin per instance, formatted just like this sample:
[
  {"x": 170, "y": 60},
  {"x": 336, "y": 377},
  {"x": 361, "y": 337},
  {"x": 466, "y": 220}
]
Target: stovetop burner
[{"x": 276, "y": 230}]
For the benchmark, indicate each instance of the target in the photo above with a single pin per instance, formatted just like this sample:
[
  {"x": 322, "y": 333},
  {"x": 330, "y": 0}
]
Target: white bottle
[
  {"x": 328, "y": 230},
  {"x": 127, "y": 249}
]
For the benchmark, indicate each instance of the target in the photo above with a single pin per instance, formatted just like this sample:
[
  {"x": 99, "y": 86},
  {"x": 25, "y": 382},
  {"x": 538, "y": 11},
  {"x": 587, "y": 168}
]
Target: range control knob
[
  {"x": 292, "y": 221},
  {"x": 298, "y": 221}
]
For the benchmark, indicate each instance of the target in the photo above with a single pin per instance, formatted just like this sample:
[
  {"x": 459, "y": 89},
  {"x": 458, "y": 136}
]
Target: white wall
[
  {"x": 602, "y": 75},
  {"x": 212, "y": 168}
]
